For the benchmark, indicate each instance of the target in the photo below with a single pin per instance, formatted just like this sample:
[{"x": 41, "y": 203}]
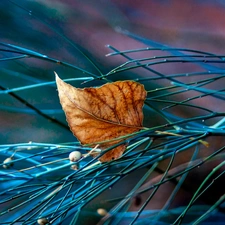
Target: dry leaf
[{"x": 103, "y": 113}]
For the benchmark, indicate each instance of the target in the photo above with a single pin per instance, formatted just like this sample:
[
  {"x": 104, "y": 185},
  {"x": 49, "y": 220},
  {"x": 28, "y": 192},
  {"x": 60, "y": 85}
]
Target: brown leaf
[{"x": 103, "y": 113}]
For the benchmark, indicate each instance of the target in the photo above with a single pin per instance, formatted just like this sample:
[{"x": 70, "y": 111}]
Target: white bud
[
  {"x": 102, "y": 212},
  {"x": 42, "y": 221},
  {"x": 75, "y": 156},
  {"x": 74, "y": 167},
  {"x": 8, "y": 163}
]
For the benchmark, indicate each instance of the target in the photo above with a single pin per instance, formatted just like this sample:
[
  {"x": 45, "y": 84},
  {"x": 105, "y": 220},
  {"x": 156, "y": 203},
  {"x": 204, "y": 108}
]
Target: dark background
[
  {"x": 57, "y": 28},
  {"x": 53, "y": 27}
]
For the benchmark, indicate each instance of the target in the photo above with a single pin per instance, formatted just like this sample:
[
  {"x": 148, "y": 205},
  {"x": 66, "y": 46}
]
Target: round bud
[
  {"x": 74, "y": 167},
  {"x": 42, "y": 221},
  {"x": 102, "y": 212},
  {"x": 8, "y": 163},
  {"x": 75, "y": 156}
]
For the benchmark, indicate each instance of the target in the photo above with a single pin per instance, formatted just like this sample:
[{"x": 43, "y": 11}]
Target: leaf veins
[{"x": 104, "y": 113}]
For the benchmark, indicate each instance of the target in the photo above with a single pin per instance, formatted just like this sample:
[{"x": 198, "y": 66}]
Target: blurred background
[
  {"x": 52, "y": 28},
  {"x": 78, "y": 32}
]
